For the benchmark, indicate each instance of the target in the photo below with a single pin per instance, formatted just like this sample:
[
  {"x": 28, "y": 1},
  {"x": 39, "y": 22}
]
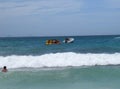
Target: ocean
[{"x": 90, "y": 62}]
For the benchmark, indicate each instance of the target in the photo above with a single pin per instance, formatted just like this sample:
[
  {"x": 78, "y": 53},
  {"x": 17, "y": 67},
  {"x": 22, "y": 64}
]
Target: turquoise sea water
[
  {"x": 105, "y": 77},
  {"x": 91, "y": 62}
]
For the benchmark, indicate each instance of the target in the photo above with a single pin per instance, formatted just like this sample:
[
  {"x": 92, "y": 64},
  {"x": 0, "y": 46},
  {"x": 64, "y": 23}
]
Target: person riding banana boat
[{"x": 52, "y": 41}]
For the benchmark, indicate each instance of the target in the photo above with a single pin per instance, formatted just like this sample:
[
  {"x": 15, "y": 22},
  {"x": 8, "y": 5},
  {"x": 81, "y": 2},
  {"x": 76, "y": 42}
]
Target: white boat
[{"x": 69, "y": 40}]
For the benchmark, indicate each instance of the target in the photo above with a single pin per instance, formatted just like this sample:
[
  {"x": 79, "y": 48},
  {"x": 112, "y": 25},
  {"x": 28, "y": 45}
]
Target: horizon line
[{"x": 61, "y": 35}]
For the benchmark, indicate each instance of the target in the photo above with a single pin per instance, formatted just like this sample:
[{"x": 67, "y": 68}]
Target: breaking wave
[{"x": 60, "y": 60}]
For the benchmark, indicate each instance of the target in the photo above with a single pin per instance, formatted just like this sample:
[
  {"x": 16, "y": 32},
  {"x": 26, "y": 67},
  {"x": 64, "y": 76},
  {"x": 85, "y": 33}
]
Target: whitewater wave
[{"x": 60, "y": 60}]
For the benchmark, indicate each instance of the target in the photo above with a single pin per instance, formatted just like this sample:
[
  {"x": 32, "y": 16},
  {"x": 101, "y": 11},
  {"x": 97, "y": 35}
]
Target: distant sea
[{"x": 90, "y": 62}]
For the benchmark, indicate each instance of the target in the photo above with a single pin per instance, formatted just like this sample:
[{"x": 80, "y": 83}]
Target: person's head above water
[{"x": 4, "y": 67}]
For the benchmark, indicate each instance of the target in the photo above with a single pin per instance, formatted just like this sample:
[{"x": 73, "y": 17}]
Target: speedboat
[{"x": 68, "y": 40}]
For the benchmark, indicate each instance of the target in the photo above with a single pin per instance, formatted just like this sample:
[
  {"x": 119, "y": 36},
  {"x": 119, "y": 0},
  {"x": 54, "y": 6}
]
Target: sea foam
[{"x": 60, "y": 60}]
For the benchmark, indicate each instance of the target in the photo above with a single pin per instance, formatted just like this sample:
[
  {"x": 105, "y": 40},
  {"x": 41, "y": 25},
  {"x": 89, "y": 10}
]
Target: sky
[{"x": 59, "y": 17}]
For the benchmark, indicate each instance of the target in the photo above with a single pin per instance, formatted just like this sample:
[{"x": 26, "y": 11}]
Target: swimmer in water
[{"x": 4, "y": 69}]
